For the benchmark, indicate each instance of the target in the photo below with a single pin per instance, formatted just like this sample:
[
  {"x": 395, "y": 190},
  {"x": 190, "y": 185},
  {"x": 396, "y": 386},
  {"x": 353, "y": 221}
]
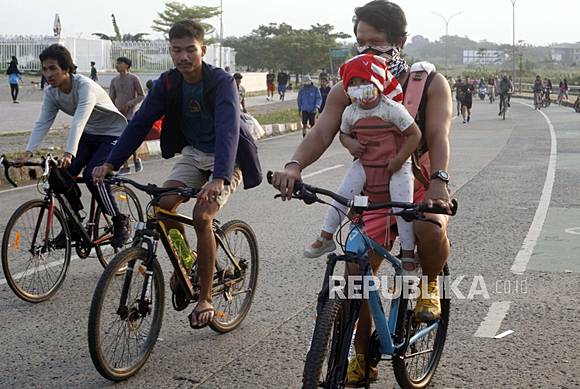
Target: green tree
[
  {"x": 175, "y": 12},
  {"x": 281, "y": 47},
  {"x": 118, "y": 37}
]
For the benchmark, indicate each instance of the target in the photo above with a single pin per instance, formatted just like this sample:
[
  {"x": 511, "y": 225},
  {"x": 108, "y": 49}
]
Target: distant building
[
  {"x": 483, "y": 57},
  {"x": 566, "y": 53}
]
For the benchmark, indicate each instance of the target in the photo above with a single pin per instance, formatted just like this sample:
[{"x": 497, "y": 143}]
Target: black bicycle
[
  {"x": 39, "y": 237},
  {"x": 126, "y": 312},
  {"x": 503, "y": 98},
  {"x": 414, "y": 347}
]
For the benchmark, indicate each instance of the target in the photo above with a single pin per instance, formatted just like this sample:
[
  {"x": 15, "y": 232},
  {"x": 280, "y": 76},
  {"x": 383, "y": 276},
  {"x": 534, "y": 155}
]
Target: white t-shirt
[{"x": 387, "y": 110}]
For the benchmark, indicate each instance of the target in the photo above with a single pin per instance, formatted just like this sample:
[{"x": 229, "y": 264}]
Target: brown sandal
[{"x": 197, "y": 314}]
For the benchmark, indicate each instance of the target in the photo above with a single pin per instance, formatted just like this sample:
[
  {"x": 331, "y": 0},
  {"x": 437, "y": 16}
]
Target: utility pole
[
  {"x": 221, "y": 31},
  {"x": 446, "y": 21},
  {"x": 513, "y": 39}
]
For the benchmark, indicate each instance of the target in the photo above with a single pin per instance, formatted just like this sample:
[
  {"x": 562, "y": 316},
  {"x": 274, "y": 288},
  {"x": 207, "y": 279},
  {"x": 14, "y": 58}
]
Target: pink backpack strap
[{"x": 414, "y": 92}]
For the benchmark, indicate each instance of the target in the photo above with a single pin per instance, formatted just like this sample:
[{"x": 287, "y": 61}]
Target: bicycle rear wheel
[
  {"x": 124, "y": 320},
  {"x": 415, "y": 366},
  {"x": 234, "y": 287},
  {"x": 327, "y": 360},
  {"x": 129, "y": 205},
  {"x": 33, "y": 265}
]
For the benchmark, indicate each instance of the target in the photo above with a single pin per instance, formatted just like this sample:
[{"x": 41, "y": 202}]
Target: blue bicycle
[{"x": 413, "y": 347}]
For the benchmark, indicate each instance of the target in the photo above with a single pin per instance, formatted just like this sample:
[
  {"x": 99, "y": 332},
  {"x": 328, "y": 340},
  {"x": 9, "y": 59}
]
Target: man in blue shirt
[
  {"x": 201, "y": 110},
  {"x": 309, "y": 100}
]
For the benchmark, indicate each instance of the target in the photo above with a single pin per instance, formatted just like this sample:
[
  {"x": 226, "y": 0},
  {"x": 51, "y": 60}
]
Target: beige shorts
[{"x": 194, "y": 169}]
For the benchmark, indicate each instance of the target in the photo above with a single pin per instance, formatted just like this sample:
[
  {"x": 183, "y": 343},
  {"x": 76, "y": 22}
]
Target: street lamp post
[
  {"x": 221, "y": 31},
  {"x": 513, "y": 39},
  {"x": 446, "y": 20}
]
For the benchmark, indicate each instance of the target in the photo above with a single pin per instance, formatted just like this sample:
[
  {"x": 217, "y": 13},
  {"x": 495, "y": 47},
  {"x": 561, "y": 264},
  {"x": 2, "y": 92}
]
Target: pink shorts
[{"x": 382, "y": 228}]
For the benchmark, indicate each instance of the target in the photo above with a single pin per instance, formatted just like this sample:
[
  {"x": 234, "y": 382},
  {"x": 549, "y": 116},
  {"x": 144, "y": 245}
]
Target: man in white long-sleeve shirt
[{"x": 95, "y": 127}]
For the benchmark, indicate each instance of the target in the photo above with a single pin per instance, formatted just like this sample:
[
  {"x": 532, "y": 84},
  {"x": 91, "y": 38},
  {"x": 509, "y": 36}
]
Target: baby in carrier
[{"x": 379, "y": 131}]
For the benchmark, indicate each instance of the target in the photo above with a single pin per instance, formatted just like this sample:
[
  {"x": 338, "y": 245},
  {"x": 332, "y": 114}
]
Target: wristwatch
[{"x": 441, "y": 175}]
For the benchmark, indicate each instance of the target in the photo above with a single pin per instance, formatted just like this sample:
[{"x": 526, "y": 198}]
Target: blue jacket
[
  {"x": 234, "y": 142},
  {"x": 309, "y": 98}
]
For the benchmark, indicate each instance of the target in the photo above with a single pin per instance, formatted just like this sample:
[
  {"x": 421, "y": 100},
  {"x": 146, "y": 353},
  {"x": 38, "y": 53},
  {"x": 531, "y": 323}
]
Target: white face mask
[{"x": 362, "y": 93}]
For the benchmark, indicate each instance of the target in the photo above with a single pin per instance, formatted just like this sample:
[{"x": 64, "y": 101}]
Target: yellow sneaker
[
  {"x": 428, "y": 306},
  {"x": 355, "y": 375}
]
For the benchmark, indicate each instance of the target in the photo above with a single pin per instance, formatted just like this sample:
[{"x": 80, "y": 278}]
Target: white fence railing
[
  {"x": 26, "y": 49},
  {"x": 147, "y": 56}
]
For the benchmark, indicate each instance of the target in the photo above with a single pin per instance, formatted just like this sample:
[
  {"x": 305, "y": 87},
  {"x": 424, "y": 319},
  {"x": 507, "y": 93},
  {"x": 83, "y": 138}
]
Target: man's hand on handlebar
[
  {"x": 100, "y": 172},
  {"x": 284, "y": 181},
  {"x": 66, "y": 160},
  {"x": 438, "y": 195}
]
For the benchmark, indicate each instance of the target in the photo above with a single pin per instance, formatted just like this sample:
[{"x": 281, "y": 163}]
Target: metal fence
[
  {"x": 25, "y": 48},
  {"x": 147, "y": 56}
]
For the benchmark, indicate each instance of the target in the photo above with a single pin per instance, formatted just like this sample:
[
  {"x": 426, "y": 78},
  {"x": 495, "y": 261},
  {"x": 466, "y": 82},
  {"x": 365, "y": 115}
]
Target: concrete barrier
[{"x": 150, "y": 148}]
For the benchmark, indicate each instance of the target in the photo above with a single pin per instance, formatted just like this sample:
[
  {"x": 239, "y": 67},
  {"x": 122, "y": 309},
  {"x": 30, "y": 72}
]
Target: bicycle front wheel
[
  {"x": 129, "y": 205},
  {"x": 327, "y": 359},
  {"x": 36, "y": 251},
  {"x": 234, "y": 285},
  {"x": 126, "y": 314},
  {"x": 415, "y": 366}
]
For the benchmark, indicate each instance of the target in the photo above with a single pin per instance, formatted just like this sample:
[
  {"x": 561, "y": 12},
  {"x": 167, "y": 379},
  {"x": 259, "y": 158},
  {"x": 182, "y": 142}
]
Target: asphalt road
[{"x": 502, "y": 176}]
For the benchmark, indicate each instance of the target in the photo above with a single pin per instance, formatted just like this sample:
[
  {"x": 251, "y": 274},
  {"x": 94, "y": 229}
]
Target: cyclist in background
[
  {"x": 538, "y": 90},
  {"x": 491, "y": 87},
  {"x": 505, "y": 87},
  {"x": 95, "y": 128}
]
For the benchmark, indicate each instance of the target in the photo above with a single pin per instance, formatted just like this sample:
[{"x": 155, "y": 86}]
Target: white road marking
[
  {"x": 28, "y": 272},
  {"x": 321, "y": 171},
  {"x": 504, "y": 334},
  {"x": 18, "y": 188},
  {"x": 492, "y": 322},
  {"x": 573, "y": 231},
  {"x": 523, "y": 256}
]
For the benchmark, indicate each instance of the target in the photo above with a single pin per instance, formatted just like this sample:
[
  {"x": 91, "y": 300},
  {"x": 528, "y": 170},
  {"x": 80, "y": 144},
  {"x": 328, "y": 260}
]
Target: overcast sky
[{"x": 537, "y": 21}]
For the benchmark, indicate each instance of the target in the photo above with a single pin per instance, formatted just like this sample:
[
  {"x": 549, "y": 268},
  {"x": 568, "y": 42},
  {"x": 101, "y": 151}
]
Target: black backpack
[{"x": 62, "y": 182}]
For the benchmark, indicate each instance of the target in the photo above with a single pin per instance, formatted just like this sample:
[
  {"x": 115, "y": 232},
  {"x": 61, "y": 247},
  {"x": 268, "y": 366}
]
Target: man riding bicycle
[
  {"x": 380, "y": 29},
  {"x": 95, "y": 127},
  {"x": 538, "y": 90},
  {"x": 202, "y": 122},
  {"x": 505, "y": 88}
]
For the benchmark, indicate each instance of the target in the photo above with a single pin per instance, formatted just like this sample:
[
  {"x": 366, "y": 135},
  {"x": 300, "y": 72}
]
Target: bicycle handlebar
[
  {"x": 307, "y": 193},
  {"x": 152, "y": 189},
  {"x": 45, "y": 163}
]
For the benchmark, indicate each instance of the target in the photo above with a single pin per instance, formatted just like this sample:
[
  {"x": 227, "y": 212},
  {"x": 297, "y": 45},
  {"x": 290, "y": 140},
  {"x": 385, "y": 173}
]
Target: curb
[
  {"x": 153, "y": 148},
  {"x": 148, "y": 148}
]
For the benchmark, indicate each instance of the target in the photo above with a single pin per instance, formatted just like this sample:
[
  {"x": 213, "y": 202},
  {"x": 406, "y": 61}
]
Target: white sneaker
[{"x": 326, "y": 246}]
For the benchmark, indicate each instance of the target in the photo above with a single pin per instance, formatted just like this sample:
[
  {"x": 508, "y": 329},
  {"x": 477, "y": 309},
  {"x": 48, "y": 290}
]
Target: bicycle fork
[{"x": 144, "y": 302}]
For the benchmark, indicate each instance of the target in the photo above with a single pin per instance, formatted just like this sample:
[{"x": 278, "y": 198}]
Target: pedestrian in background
[
  {"x": 270, "y": 78},
  {"x": 126, "y": 93},
  {"x": 94, "y": 76},
  {"x": 241, "y": 91},
  {"x": 309, "y": 100},
  {"x": 324, "y": 91},
  {"x": 282, "y": 82},
  {"x": 14, "y": 78}
]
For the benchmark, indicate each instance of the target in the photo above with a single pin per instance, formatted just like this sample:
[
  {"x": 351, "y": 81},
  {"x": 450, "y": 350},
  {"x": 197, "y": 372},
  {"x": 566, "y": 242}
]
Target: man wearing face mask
[
  {"x": 309, "y": 100},
  {"x": 377, "y": 119},
  {"x": 380, "y": 29}
]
